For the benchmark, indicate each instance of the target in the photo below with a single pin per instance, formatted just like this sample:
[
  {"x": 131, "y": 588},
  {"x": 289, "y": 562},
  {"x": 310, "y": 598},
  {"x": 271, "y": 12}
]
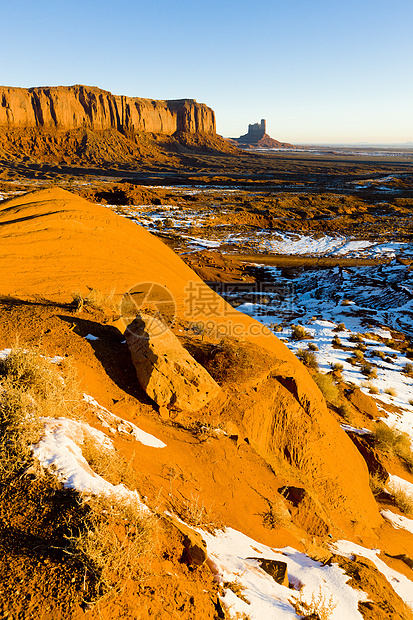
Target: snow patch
[
  {"x": 59, "y": 449},
  {"x": 400, "y": 584},
  {"x": 398, "y": 521}
]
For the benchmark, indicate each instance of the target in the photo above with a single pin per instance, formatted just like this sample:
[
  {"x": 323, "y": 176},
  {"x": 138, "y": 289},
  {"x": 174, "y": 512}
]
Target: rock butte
[{"x": 55, "y": 243}]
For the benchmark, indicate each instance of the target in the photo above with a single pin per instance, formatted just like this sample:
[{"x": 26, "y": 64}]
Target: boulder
[
  {"x": 275, "y": 568},
  {"x": 364, "y": 403},
  {"x": 165, "y": 370}
]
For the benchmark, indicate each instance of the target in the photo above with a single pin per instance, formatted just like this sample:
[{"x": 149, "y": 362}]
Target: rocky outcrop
[
  {"x": 257, "y": 137},
  {"x": 165, "y": 370},
  {"x": 75, "y": 107}
]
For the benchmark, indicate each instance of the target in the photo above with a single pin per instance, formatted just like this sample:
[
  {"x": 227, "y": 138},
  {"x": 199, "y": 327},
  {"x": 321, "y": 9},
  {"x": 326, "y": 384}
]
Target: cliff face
[{"x": 75, "y": 107}]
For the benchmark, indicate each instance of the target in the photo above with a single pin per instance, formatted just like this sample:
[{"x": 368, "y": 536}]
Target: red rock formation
[
  {"x": 258, "y": 138},
  {"x": 74, "y": 107}
]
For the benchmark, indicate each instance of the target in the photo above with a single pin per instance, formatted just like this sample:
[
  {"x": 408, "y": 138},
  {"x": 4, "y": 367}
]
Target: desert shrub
[
  {"x": 328, "y": 388},
  {"x": 194, "y": 512},
  {"x": 394, "y": 442},
  {"x": 298, "y": 332},
  {"x": 371, "y": 336},
  {"x": 336, "y": 342},
  {"x": 360, "y": 346},
  {"x": 378, "y": 353},
  {"x": 355, "y": 338},
  {"x": 114, "y": 541},
  {"x": 371, "y": 388},
  {"x": 276, "y": 327},
  {"x": 369, "y": 371},
  {"x": 312, "y": 346},
  {"x": 276, "y": 516},
  {"x": 404, "y": 500},
  {"x": 352, "y": 360},
  {"x": 308, "y": 358},
  {"x": 358, "y": 355},
  {"x": 408, "y": 369},
  {"x": 376, "y": 484},
  {"x": 30, "y": 387},
  {"x": 168, "y": 222},
  {"x": 336, "y": 367},
  {"x": 345, "y": 410},
  {"x": 317, "y": 607},
  {"x": 346, "y": 302},
  {"x": 340, "y": 328},
  {"x": 411, "y": 401},
  {"x": 390, "y": 391}
]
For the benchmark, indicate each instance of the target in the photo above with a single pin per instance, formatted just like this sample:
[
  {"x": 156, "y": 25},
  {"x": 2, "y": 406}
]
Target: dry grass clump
[
  {"x": 30, "y": 387},
  {"x": 408, "y": 369},
  {"x": 345, "y": 411},
  {"x": 95, "y": 299},
  {"x": 371, "y": 388},
  {"x": 378, "y": 353},
  {"x": 359, "y": 355},
  {"x": 394, "y": 443},
  {"x": 328, "y": 388},
  {"x": 390, "y": 391},
  {"x": 52, "y": 388},
  {"x": 114, "y": 542},
  {"x": 276, "y": 516},
  {"x": 368, "y": 370},
  {"x": 308, "y": 358},
  {"x": 376, "y": 484},
  {"x": 355, "y": 338},
  {"x": 237, "y": 588},
  {"x": 404, "y": 500},
  {"x": 312, "y": 346},
  {"x": 318, "y": 607},
  {"x": 336, "y": 342},
  {"x": 194, "y": 513},
  {"x": 19, "y": 429},
  {"x": 298, "y": 332},
  {"x": 108, "y": 463}
]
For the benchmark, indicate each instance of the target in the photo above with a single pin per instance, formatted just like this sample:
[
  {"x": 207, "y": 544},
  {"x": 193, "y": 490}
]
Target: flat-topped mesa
[{"x": 76, "y": 107}]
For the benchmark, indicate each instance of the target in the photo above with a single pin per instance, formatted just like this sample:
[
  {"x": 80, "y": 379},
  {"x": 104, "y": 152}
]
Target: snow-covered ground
[
  {"x": 235, "y": 560},
  {"x": 177, "y": 221}
]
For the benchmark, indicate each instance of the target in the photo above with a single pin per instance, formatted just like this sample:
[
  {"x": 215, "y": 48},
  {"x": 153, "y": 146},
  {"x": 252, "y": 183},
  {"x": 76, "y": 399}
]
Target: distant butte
[{"x": 257, "y": 137}]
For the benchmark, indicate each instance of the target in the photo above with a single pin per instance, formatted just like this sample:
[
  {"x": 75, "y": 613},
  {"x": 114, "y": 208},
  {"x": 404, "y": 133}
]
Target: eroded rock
[{"x": 165, "y": 370}]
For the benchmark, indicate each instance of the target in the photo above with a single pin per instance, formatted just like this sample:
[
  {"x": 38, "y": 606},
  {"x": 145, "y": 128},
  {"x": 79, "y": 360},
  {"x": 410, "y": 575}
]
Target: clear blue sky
[{"x": 317, "y": 70}]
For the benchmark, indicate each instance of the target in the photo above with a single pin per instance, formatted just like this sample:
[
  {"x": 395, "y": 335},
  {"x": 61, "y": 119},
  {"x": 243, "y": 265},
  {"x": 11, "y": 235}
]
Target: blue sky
[{"x": 317, "y": 70}]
